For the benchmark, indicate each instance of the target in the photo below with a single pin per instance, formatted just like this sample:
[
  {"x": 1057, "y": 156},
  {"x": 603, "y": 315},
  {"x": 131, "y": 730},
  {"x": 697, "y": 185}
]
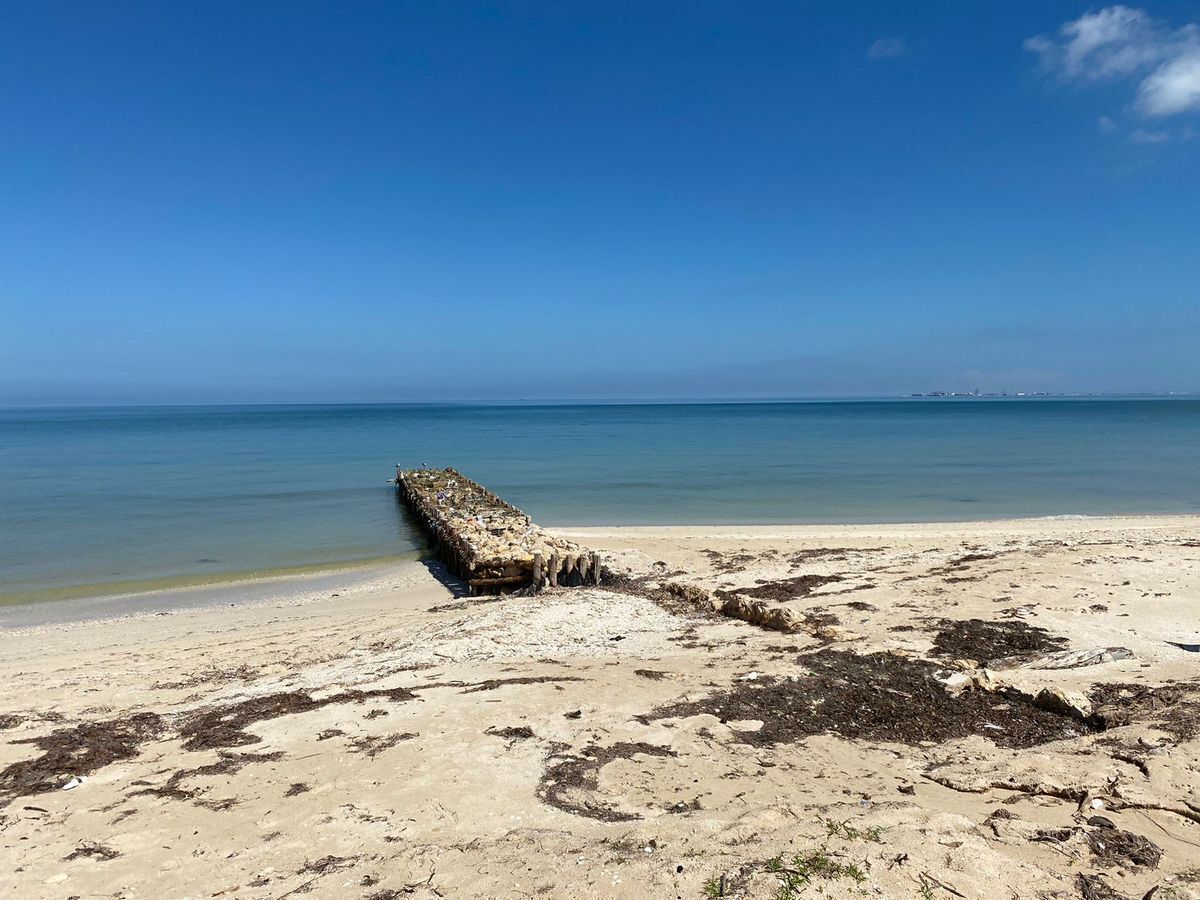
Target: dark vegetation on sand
[
  {"x": 876, "y": 697},
  {"x": 784, "y": 589},
  {"x": 984, "y": 642},
  {"x": 225, "y": 726},
  {"x": 569, "y": 783},
  {"x": 78, "y": 750},
  {"x": 1173, "y": 708}
]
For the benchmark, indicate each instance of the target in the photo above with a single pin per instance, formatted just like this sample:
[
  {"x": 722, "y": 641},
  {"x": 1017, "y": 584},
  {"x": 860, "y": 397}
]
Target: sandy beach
[{"x": 984, "y": 710}]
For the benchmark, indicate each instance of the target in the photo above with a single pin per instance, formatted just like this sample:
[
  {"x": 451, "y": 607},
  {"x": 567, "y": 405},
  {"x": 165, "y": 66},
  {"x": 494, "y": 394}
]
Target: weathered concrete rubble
[{"x": 484, "y": 539}]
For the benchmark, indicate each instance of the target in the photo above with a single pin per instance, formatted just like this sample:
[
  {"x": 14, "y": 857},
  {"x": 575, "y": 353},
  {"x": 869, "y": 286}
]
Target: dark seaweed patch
[
  {"x": 373, "y": 745},
  {"x": 91, "y": 850},
  {"x": 79, "y": 750},
  {"x": 1114, "y": 847},
  {"x": 984, "y": 642},
  {"x": 1173, "y": 708},
  {"x": 515, "y": 732},
  {"x": 225, "y": 726},
  {"x": 227, "y": 764},
  {"x": 570, "y": 783},
  {"x": 494, "y": 683},
  {"x": 784, "y": 589},
  {"x": 876, "y": 697}
]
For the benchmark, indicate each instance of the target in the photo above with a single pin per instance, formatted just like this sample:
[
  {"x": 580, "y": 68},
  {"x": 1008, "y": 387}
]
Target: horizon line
[{"x": 619, "y": 401}]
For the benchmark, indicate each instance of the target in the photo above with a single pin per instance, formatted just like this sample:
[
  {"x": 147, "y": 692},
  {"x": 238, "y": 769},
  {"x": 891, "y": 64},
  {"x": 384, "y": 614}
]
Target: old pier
[{"x": 489, "y": 543}]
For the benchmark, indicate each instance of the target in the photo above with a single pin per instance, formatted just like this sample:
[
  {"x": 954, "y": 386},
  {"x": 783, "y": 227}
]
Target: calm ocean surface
[{"x": 103, "y": 500}]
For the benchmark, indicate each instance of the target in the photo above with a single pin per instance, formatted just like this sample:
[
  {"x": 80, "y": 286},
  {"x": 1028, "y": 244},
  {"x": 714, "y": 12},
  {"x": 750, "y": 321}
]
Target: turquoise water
[{"x": 95, "y": 500}]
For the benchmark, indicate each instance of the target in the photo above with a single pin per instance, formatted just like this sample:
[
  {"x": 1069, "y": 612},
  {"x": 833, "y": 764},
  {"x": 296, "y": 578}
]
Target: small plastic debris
[
  {"x": 749, "y": 676},
  {"x": 1097, "y": 803},
  {"x": 74, "y": 782}
]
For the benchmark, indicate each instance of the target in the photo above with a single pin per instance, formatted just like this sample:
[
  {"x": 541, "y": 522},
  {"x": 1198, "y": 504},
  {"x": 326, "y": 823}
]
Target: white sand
[{"x": 443, "y": 808}]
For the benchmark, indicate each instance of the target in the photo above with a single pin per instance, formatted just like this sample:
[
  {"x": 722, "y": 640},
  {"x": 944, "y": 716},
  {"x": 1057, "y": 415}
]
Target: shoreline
[
  {"x": 131, "y": 587},
  {"x": 321, "y": 582},
  {"x": 286, "y": 589}
]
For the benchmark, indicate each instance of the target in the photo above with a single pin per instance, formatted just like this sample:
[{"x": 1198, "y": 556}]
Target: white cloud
[
  {"x": 1106, "y": 124},
  {"x": 1120, "y": 42},
  {"x": 1173, "y": 87},
  {"x": 1141, "y": 136},
  {"x": 888, "y": 48}
]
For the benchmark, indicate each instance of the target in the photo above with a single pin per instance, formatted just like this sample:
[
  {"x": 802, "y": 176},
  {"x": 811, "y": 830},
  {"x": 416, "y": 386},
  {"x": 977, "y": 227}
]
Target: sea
[{"x": 103, "y": 501}]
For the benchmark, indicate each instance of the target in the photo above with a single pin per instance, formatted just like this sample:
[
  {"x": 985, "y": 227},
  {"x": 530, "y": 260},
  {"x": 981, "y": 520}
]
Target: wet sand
[
  {"x": 292, "y": 588},
  {"x": 906, "y": 734}
]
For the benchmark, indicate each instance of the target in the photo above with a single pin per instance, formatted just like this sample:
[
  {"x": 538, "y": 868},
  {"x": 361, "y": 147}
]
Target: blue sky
[{"x": 400, "y": 201}]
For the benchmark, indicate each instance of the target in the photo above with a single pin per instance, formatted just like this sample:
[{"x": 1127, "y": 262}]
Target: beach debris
[
  {"x": 570, "y": 783},
  {"x": 689, "y": 593},
  {"x": 1187, "y": 648},
  {"x": 227, "y": 764},
  {"x": 493, "y": 683},
  {"x": 758, "y": 612},
  {"x": 1094, "y": 887},
  {"x": 327, "y": 864},
  {"x": 81, "y": 749},
  {"x": 74, "y": 781},
  {"x": 488, "y": 542},
  {"x": 1073, "y": 659},
  {"x": 1067, "y": 702},
  {"x": 225, "y": 726},
  {"x": 1114, "y": 847},
  {"x": 1172, "y": 708},
  {"x": 92, "y": 850},
  {"x": 879, "y": 697},
  {"x": 982, "y": 642},
  {"x": 957, "y": 682},
  {"x": 512, "y": 732},
  {"x": 1055, "y": 699},
  {"x": 819, "y": 624},
  {"x": 373, "y": 745}
]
